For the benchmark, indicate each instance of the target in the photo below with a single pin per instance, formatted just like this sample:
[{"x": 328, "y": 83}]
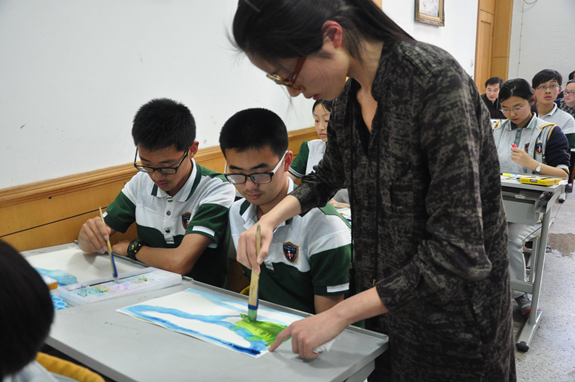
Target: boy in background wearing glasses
[
  {"x": 180, "y": 208},
  {"x": 546, "y": 86},
  {"x": 308, "y": 265}
]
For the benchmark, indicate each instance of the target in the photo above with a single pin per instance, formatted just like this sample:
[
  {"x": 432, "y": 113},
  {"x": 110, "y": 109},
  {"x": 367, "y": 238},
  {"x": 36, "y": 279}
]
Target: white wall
[
  {"x": 73, "y": 74},
  {"x": 542, "y": 37},
  {"x": 457, "y": 37}
]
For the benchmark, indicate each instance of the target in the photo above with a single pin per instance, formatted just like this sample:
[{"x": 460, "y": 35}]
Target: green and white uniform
[
  {"x": 309, "y": 255},
  {"x": 201, "y": 207},
  {"x": 309, "y": 155}
]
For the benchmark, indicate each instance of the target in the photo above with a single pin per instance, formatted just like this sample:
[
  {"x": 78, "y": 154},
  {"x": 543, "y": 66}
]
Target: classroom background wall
[
  {"x": 542, "y": 37},
  {"x": 73, "y": 74}
]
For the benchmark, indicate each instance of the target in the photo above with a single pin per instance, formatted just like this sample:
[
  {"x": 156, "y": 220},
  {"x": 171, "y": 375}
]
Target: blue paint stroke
[
  {"x": 255, "y": 348},
  {"x": 233, "y": 305},
  {"x": 62, "y": 277}
]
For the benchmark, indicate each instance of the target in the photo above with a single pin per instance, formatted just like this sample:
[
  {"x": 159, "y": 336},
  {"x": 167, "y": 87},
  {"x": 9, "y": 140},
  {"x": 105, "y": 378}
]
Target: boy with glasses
[
  {"x": 547, "y": 85},
  {"x": 180, "y": 208},
  {"x": 308, "y": 265}
]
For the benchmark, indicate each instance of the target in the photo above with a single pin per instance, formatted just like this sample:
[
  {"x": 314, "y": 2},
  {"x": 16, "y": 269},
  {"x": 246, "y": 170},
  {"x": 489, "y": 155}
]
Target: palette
[{"x": 103, "y": 289}]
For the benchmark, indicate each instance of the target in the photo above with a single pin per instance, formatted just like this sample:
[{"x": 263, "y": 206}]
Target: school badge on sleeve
[
  {"x": 539, "y": 147},
  {"x": 186, "y": 219},
  {"x": 291, "y": 251}
]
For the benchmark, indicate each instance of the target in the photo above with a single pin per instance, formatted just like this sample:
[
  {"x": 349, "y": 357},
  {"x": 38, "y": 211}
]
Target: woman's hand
[
  {"x": 310, "y": 333},
  {"x": 522, "y": 158}
]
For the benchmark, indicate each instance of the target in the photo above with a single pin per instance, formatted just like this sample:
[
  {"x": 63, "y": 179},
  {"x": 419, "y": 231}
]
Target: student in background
[
  {"x": 310, "y": 153},
  {"x": 492, "y": 87},
  {"x": 540, "y": 148},
  {"x": 546, "y": 85},
  {"x": 408, "y": 130},
  {"x": 309, "y": 259},
  {"x": 569, "y": 78},
  {"x": 180, "y": 208},
  {"x": 567, "y": 104}
]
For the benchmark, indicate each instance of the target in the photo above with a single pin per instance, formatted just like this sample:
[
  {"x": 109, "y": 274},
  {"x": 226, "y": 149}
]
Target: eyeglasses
[
  {"x": 290, "y": 82},
  {"x": 257, "y": 178},
  {"x": 550, "y": 87},
  {"x": 505, "y": 110},
  {"x": 161, "y": 170},
  {"x": 567, "y": 92}
]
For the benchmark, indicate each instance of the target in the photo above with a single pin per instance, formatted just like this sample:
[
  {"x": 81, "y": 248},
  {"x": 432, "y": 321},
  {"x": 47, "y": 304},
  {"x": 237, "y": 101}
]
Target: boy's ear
[
  {"x": 194, "y": 149},
  {"x": 288, "y": 160}
]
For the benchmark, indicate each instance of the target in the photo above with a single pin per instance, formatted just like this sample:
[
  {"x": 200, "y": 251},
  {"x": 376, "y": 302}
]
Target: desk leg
[{"x": 528, "y": 331}]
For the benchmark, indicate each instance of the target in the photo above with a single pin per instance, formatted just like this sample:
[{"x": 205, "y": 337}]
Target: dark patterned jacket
[{"x": 429, "y": 227}]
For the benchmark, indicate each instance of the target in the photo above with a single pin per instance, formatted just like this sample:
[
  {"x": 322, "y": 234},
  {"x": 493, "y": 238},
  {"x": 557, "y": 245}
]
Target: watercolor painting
[
  {"x": 72, "y": 265},
  {"x": 215, "y": 319}
]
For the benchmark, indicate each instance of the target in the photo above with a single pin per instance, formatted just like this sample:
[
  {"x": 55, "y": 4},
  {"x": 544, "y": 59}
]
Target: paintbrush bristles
[{"x": 254, "y": 284}]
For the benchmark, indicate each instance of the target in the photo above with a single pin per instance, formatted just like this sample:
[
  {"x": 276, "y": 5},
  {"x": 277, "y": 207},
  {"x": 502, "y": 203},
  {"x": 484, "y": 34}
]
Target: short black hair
[
  {"x": 26, "y": 311},
  {"x": 572, "y": 75},
  {"x": 516, "y": 87},
  {"x": 328, "y": 105},
  {"x": 163, "y": 123},
  {"x": 546, "y": 75},
  {"x": 493, "y": 81},
  {"x": 254, "y": 129}
]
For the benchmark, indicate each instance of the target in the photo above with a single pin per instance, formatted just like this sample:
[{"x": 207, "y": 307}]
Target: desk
[
  {"x": 126, "y": 349},
  {"x": 524, "y": 203}
]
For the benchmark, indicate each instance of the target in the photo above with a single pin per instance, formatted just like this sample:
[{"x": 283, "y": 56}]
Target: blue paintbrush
[
  {"x": 253, "y": 300},
  {"x": 112, "y": 263}
]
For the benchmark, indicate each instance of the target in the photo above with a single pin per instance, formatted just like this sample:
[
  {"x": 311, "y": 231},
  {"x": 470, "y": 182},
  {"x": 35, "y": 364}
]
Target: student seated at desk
[
  {"x": 180, "y": 208},
  {"x": 526, "y": 144},
  {"x": 26, "y": 314},
  {"x": 308, "y": 265},
  {"x": 310, "y": 153}
]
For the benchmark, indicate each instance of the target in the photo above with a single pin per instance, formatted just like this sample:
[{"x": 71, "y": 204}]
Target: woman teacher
[{"x": 412, "y": 140}]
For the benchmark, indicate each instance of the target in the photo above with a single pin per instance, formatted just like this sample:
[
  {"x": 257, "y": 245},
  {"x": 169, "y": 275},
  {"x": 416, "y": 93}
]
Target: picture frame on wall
[{"x": 430, "y": 12}]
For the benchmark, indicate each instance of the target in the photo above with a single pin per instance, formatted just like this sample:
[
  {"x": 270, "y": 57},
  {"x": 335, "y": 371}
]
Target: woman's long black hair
[{"x": 279, "y": 29}]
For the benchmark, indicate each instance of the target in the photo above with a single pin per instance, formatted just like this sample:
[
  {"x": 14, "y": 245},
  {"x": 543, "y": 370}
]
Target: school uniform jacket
[
  {"x": 162, "y": 221},
  {"x": 428, "y": 223}
]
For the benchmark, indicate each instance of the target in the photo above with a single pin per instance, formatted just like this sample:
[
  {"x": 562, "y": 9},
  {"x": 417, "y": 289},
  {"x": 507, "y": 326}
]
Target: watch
[
  {"x": 134, "y": 247},
  {"x": 538, "y": 168}
]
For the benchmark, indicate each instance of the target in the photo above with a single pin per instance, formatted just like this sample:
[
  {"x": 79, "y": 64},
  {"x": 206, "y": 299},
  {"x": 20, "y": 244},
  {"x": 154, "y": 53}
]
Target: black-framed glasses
[
  {"x": 161, "y": 170},
  {"x": 290, "y": 82},
  {"x": 257, "y": 178},
  {"x": 569, "y": 93}
]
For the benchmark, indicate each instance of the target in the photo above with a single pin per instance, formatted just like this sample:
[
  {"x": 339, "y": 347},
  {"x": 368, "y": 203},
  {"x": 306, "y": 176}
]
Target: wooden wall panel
[{"x": 52, "y": 212}]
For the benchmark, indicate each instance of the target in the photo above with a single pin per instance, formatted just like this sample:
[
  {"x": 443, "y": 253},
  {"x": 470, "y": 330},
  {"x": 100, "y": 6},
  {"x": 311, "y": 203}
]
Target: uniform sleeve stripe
[
  {"x": 338, "y": 288},
  {"x": 204, "y": 230}
]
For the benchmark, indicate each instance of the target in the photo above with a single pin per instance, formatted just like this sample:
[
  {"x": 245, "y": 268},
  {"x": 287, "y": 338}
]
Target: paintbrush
[
  {"x": 255, "y": 281},
  {"x": 112, "y": 263}
]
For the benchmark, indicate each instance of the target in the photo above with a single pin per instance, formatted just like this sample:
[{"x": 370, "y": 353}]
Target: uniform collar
[
  {"x": 551, "y": 112},
  {"x": 186, "y": 191}
]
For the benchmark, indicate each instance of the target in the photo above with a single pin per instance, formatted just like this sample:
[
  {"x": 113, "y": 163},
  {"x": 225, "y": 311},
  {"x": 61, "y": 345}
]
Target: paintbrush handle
[
  {"x": 112, "y": 264},
  {"x": 255, "y": 282}
]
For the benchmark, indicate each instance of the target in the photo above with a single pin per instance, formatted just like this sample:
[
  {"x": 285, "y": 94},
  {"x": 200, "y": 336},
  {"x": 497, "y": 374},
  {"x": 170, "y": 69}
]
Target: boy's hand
[
  {"x": 94, "y": 235},
  {"x": 121, "y": 248},
  {"x": 246, "y": 252}
]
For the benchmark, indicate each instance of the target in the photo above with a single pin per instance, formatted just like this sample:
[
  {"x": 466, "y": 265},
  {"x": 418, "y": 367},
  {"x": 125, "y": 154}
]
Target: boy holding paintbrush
[
  {"x": 308, "y": 265},
  {"x": 180, "y": 208}
]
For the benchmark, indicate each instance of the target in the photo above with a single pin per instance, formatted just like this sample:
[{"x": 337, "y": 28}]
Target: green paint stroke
[{"x": 259, "y": 330}]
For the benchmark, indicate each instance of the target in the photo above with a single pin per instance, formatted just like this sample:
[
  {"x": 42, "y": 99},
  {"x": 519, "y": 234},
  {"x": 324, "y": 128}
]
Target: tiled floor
[{"x": 551, "y": 356}]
